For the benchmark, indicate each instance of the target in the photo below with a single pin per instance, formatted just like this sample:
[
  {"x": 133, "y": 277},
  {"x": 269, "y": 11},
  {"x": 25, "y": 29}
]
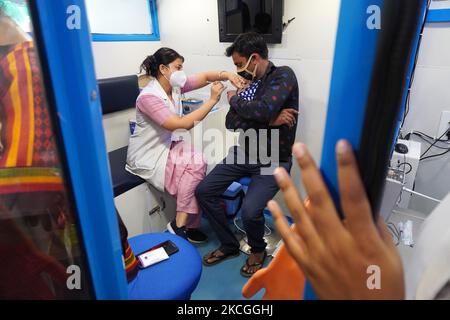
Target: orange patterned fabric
[
  {"x": 28, "y": 155},
  {"x": 131, "y": 263}
]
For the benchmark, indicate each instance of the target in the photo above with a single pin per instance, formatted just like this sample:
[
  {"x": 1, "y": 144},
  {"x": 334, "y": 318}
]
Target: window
[
  {"x": 123, "y": 20},
  {"x": 439, "y": 11}
]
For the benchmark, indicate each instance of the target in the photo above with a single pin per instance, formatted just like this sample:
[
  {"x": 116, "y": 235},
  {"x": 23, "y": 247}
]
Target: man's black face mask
[{"x": 247, "y": 74}]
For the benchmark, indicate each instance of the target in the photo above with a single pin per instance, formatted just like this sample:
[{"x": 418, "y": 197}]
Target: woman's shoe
[
  {"x": 196, "y": 236},
  {"x": 173, "y": 229}
]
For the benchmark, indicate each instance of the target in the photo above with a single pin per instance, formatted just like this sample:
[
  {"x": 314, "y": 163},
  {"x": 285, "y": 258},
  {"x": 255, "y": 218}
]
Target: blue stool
[
  {"x": 173, "y": 279},
  {"x": 245, "y": 183},
  {"x": 234, "y": 196}
]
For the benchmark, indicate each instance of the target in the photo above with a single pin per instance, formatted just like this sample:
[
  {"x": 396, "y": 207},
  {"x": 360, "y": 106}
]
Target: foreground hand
[
  {"x": 237, "y": 81},
  {"x": 335, "y": 257},
  {"x": 286, "y": 117}
]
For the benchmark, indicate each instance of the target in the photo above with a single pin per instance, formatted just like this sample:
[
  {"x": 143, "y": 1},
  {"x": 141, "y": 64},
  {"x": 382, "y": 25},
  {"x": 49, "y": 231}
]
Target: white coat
[{"x": 150, "y": 144}]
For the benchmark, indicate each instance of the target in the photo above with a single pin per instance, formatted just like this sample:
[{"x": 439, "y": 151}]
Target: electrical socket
[{"x": 444, "y": 125}]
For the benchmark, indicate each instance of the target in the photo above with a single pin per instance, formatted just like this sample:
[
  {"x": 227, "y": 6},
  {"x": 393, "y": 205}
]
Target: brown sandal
[
  {"x": 248, "y": 266},
  {"x": 218, "y": 258}
]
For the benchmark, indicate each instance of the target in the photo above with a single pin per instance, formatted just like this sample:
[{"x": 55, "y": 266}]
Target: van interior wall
[
  {"x": 191, "y": 28},
  {"x": 429, "y": 98}
]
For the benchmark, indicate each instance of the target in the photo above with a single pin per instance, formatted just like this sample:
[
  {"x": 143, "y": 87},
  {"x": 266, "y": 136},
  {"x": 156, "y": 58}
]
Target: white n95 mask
[{"x": 178, "y": 79}]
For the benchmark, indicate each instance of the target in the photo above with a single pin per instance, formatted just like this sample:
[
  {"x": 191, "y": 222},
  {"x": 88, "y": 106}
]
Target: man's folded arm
[
  {"x": 236, "y": 122},
  {"x": 266, "y": 108}
]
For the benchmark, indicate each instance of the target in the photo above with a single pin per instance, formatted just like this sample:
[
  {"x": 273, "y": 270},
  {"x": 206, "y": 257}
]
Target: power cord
[
  {"x": 422, "y": 157},
  {"x": 424, "y": 137},
  {"x": 406, "y": 164},
  {"x": 421, "y": 134},
  {"x": 286, "y": 24},
  {"x": 435, "y": 155},
  {"x": 395, "y": 233},
  {"x": 267, "y": 233}
]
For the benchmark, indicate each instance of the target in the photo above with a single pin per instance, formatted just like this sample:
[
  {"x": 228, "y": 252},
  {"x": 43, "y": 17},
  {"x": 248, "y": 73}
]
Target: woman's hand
[
  {"x": 236, "y": 80},
  {"x": 216, "y": 91},
  {"x": 286, "y": 117},
  {"x": 340, "y": 259}
]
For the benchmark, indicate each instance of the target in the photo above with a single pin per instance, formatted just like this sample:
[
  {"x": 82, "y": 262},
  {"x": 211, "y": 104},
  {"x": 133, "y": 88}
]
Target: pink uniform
[{"x": 185, "y": 167}]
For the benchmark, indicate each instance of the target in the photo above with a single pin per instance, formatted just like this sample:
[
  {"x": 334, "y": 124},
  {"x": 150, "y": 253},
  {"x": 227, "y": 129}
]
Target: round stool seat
[
  {"x": 245, "y": 181},
  {"x": 172, "y": 279}
]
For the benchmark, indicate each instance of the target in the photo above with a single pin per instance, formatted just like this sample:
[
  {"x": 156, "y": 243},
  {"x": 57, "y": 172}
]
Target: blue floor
[{"x": 222, "y": 281}]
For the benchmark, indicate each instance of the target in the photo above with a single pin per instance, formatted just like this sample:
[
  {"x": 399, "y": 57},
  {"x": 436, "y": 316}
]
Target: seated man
[{"x": 266, "y": 116}]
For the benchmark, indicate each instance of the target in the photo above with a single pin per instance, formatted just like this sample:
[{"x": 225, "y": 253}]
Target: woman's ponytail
[{"x": 150, "y": 66}]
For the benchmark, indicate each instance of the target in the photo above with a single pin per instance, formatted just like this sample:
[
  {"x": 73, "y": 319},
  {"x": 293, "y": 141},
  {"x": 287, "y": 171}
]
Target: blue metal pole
[{"x": 354, "y": 59}]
